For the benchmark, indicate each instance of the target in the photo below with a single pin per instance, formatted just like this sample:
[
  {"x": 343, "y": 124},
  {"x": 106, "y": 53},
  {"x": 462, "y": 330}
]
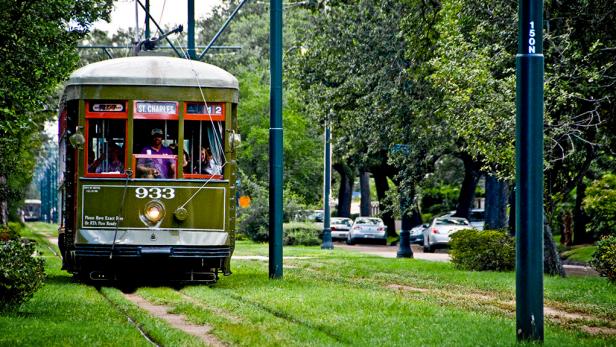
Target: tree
[{"x": 37, "y": 53}]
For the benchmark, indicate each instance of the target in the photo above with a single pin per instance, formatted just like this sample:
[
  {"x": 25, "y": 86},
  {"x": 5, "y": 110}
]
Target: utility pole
[
  {"x": 327, "y": 169},
  {"x": 275, "y": 142},
  {"x": 147, "y": 20},
  {"x": 191, "y": 29},
  {"x": 529, "y": 172}
]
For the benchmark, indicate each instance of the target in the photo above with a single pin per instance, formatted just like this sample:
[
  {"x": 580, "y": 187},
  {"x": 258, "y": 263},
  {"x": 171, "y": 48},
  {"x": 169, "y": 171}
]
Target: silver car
[
  {"x": 340, "y": 227},
  {"x": 368, "y": 228},
  {"x": 438, "y": 233}
]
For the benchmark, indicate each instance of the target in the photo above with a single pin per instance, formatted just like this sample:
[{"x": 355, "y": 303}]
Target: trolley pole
[
  {"x": 327, "y": 231},
  {"x": 275, "y": 142},
  {"x": 191, "y": 30},
  {"x": 529, "y": 172}
]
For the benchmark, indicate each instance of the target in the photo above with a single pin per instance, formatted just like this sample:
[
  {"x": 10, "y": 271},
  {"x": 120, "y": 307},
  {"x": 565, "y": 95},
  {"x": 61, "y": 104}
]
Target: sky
[{"x": 164, "y": 12}]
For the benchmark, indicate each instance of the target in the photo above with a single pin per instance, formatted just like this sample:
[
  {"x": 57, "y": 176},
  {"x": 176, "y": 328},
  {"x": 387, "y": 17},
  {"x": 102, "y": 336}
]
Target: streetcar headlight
[{"x": 154, "y": 211}]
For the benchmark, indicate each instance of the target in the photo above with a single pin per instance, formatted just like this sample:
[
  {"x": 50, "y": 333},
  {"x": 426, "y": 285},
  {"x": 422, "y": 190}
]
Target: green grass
[
  {"x": 326, "y": 298},
  {"x": 64, "y": 313},
  {"x": 579, "y": 254}
]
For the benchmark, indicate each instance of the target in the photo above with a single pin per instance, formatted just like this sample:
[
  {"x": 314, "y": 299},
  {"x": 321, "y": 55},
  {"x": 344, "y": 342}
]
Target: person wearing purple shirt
[{"x": 156, "y": 167}]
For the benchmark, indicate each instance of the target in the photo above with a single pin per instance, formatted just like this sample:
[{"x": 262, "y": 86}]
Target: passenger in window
[
  {"x": 185, "y": 161},
  {"x": 206, "y": 164},
  {"x": 156, "y": 167},
  {"x": 114, "y": 162}
]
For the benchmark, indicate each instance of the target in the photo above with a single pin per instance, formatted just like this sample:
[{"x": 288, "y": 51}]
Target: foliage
[
  {"x": 604, "y": 258},
  {"x": 440, "y": 199},
  {"x": 487, "y": 250},
  {"x": 304, "y": 234},
  {"x": 37, "y": 53},
  {"x": 11, "y": 231},
  {"x": 302, "y": 140},
  {"x": 600, "y": 205},
  {"x": 253, "y": 221},
  {"x": 21, "y": 274}
]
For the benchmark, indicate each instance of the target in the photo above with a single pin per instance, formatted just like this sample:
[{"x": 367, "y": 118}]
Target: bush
[
  {"x": 305, "y": 234},
  {"x": 604, "y": 258},
  {"x": 253, "y": 221},
  {"x": 21, "y": 274},
  {"x": 10, "y": 232},
  {"x": 487, "y": 250},
  {"x": 600, "y": 205}
]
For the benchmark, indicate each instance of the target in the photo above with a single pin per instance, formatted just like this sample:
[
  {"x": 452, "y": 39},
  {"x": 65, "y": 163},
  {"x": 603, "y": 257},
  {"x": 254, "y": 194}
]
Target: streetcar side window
[
  {"x": 204, "y": 147},
  {"x": 106, "y": 149}
]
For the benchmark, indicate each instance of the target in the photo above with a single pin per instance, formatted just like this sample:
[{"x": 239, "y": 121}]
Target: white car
[
  {"x": 340, "y": 227},
  {"x": 368, "y": 228},
  {"x": 438, "y": 233}
]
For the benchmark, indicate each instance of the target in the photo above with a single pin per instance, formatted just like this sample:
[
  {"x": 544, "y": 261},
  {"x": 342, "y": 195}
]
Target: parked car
[
  {"x": 417, "y": 234},
  {"x": 340, "y": 227},
  {"x": 368, "y": 228},
  {"x": 476, "y": 217},
  {"x": 438, "y": 233}
]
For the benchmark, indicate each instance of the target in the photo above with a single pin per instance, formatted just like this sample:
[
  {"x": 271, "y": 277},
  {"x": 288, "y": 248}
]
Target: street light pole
[
  {"x": 327, "y": 232},
  {"x": 275, "y": 142},
  {"x": 529, "y": 172}
]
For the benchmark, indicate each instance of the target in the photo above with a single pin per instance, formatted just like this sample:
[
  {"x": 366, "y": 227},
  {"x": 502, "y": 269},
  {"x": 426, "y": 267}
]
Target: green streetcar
[{"x": 148, "y": 170}]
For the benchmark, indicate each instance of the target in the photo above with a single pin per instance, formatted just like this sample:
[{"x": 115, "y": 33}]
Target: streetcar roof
[{"x": 153, "y": 71}]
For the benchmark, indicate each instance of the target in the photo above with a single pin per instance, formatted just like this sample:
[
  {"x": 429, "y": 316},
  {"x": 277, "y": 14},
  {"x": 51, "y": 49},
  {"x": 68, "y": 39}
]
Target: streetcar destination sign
[
  {"x": 156, "y": 107},
  {"x": 107, "y": 107}
]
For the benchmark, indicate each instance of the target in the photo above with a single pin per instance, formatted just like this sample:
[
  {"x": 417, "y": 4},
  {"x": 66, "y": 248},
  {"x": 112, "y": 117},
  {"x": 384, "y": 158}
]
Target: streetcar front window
[
  {"x": 106, "y": 139},
  {"x": 155, "y": 148}
]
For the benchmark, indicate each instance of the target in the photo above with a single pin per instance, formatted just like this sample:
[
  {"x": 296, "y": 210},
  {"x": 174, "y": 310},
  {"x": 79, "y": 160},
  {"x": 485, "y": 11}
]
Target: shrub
[
  {"x": 253, "y": 221},
  {"x": 10, "y": 231},
  {"x": 21, "y": 274},
  {"x": 487, "y": 250},
  {"x": 604, "y": 258},
  {"x": 305, "y": 234},
  {"x": 600, "y": 205}
]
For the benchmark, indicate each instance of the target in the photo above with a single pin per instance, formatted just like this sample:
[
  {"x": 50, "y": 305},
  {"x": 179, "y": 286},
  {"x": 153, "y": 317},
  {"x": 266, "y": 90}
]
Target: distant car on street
[
  {"x": 417, "y": 233},
  {"x": 340, "y": 227},
  {"x": 368, "y": 228},
  {"x": 438, "y": 233},
  {"x": 476, "y": 217}
]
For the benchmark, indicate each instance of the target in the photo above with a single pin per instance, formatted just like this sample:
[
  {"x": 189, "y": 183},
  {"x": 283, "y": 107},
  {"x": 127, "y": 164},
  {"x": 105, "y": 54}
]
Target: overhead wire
[{"x": 217, "y": 134}]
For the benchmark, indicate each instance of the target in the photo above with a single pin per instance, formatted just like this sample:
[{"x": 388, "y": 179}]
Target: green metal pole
[
  {"x": 147, "y": 20},
  {"x": 327, "y": 231},
  {"x": 191, "y": 30},
  {"x": 275, "y": 143},
  {"x": 529, "y": 172}
]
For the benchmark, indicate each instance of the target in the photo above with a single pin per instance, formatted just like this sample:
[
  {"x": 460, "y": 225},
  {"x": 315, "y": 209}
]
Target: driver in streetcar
[{"x": 156, "y": 167}]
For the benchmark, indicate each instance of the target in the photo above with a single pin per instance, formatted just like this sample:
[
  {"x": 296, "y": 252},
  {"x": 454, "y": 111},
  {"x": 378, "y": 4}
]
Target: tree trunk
[
  {"x": 467, "y": 191},
  {"x": 364, "y": 183},
  {"x": 580, "y": 219},
  {"x": 380, "y": 181},
  {"x": 4, "y": 210},
  {"x": 496, "y": 203},
  {"x": 345, "y": 192},
  {"x": 552, "y": 265}
]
